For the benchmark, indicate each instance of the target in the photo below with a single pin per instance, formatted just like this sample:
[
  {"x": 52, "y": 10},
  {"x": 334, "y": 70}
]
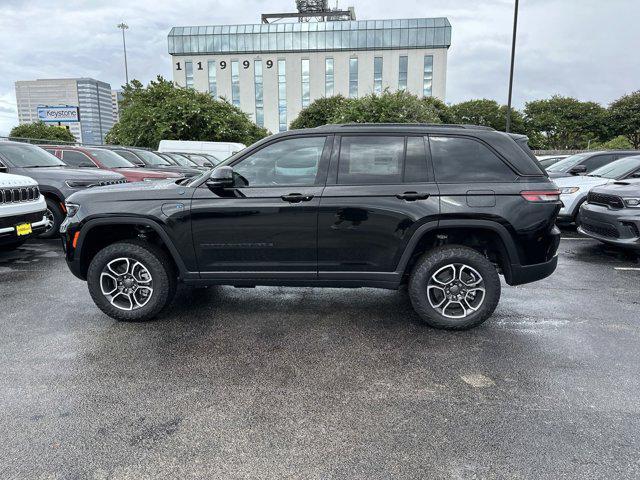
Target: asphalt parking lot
[{"x": 321, "y": 383}]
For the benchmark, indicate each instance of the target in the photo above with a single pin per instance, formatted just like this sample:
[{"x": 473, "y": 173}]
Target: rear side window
[
  {"x": 465, "y": 160},
  {"x": 76, "y": 159},
  {"x": 597, "y": 162},
  {"x": 382, "y": 159}
]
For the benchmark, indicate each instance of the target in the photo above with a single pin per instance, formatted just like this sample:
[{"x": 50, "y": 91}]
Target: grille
[
  {"x": 19, "y": 194},
  {"x": 607, "y": 200},
  {"x": 603, "y": 230}
]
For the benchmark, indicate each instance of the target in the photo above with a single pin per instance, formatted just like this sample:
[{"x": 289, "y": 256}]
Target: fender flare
[
  {"x": 95, "y": 222},
  {"x": 510, "y": 248}
]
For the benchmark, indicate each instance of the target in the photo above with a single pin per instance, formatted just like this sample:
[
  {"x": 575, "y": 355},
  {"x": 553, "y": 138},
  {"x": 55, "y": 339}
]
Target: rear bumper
[{"x": 521, "y": 274}]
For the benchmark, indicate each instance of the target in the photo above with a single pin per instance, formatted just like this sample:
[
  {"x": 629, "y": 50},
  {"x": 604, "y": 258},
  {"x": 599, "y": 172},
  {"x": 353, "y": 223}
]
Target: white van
[{"x": 219, "y": 150}]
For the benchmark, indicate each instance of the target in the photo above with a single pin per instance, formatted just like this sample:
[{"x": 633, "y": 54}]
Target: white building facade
[
  {"x": 272, "y": 71},
  {"x": 91, "y": 97}
]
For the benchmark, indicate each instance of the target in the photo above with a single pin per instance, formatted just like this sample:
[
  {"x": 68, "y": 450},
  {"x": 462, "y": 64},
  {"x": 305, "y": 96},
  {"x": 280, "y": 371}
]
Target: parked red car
[{"x": 81, "y": 157}]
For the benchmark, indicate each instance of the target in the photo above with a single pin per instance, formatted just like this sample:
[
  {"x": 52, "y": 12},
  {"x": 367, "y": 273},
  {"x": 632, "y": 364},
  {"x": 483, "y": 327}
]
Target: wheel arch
[
  {"x": 468, "y": 232},
  {"x": 100, "y": 232}
]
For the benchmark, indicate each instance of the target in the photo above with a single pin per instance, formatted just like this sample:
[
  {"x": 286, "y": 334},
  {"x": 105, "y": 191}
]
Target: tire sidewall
[
  {"x": 438, "y": 258},
  {"x": 58, "y": 218},
  {"x": 160, "y": 274}
]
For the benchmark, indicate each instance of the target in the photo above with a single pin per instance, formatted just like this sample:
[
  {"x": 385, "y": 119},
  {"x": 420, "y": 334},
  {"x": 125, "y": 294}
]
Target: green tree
[
  {"x": 488, "y": 113},
  {"x": 164, "y": 111},
  {"x": 618, "y": 143},
  {"x": 397, "y": 107},
  {"x": 441, "y": 108},
  {"x": 565, "y": 123},
  {"x": 42, "y": 131},
  {"x": 624, "y": 117},
  {"x": 319, "y": 112}
]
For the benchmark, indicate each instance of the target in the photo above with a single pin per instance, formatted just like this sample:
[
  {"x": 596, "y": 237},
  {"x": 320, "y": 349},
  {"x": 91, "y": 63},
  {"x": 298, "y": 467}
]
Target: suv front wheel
[
  {"x": 454, "y": 287},
  {"x": 131, "y": 280}
]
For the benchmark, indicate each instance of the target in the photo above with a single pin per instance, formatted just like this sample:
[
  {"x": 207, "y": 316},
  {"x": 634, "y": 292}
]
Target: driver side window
[{"x": 285, "y": 163}]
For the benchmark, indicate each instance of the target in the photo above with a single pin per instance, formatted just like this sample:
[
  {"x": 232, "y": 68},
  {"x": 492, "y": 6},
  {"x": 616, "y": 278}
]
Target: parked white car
[
  {"x": 22, "y": 210},
  {"x": 574, "y": 189},
  {"x": 219, "y": 150}
]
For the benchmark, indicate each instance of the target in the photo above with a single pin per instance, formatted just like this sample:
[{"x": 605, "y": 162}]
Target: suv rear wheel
[
  {"x": 131, "y": 280},
  {"x": 454, "y": 287}
]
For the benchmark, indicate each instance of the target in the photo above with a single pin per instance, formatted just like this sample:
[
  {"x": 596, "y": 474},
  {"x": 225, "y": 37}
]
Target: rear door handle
[
  {"x": 411, "y": 196},
  {"x": 296, "y": 198}
]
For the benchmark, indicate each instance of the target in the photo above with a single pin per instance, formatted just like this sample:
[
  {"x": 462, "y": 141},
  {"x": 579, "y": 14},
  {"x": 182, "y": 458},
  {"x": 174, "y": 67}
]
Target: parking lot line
[{"x": 633, "y": 269}]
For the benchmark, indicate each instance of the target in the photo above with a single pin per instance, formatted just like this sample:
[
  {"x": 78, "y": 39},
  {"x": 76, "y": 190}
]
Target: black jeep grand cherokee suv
[{"x": 442, "y": 208}]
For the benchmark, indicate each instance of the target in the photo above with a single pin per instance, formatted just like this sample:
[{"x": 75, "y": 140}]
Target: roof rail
[{"x": 437, "y": 125}]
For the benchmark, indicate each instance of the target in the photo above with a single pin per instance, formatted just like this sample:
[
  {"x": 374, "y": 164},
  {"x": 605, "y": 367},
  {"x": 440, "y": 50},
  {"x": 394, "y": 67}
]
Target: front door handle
[
  {"x": 412, "y": 196},
  {"x": 296, "y": 198}
]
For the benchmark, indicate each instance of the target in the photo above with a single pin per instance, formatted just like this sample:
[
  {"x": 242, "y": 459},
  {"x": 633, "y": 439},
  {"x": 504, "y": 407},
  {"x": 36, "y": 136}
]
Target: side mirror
[
  {"x": 578, "y": 169},
  {"x": 221, "y": 177}
]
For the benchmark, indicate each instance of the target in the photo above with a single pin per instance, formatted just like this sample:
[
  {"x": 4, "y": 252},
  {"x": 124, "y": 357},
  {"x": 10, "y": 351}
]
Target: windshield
[
  {"x": 151, "y": 158},
  {"x": 618, "y": 169},
  {"x": 29, "y": 156},
  {"x": 567, "y": 163},
  {"x": 110, "y": 159},
  {"x": 203, "y": 160},
  {"x": 180, "y": 160}
]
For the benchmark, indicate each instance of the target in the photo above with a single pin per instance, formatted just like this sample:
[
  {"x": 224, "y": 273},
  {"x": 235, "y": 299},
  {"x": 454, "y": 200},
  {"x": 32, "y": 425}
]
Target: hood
[
  {"x": 147, "y": 172},
  {"x": 621, "y": 188},
  {"x": 58, "y": 174},
  {"x": 558, "y": 174},
  {"x": 580, "y": 181},
  {"x": 157, "y": 190},
  {"x": 10, "y": 181}
]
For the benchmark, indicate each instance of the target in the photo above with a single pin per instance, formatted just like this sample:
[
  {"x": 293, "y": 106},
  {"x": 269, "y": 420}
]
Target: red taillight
[{"x": 541, "y": 195}]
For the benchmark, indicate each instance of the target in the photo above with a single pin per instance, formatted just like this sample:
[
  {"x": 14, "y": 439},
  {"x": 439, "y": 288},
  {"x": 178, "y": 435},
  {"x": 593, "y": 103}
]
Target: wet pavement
[{"x": 321, "y": 383}]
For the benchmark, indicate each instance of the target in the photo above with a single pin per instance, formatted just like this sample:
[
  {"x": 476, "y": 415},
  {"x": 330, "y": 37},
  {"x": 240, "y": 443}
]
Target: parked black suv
[
  {"x": 56, "y": 180},
  {"x": 444, "y": 209}
]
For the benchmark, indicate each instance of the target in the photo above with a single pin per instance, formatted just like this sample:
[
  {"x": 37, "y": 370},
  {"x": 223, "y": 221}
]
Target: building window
[
  {"x": 427, "y": 81},
  {"x": 402, "y": 72},
  {"x": 235, "y": 83},
  {"x": 188, "y": 73},
  {"x": 306, "y": 91},
  {"x": 328, "y": 77},
  {"x": 282, "y": 96},
  {"x": 257, "y": 72},
  {"x": 377, "y": 75},
  {"x": 353, "y": 77},
  {"x": 213, "y": 89}
]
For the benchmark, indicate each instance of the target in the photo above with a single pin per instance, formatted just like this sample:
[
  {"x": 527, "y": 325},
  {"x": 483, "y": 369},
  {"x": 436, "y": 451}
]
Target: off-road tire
[
  {"x": 154, "y": 259},
  {"x": 429, "y": 263}
]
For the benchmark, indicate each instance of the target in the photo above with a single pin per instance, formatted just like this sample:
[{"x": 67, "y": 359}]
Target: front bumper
[
  {"x": 8, "y": 234},
  {"x": 617, "y": 227}
]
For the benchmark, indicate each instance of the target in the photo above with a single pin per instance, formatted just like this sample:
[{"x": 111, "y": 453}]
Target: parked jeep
[
  {"x": 56, "y": 180},
  {"x": 443, "y": 209},
  {"x": 22, "y": 210}
]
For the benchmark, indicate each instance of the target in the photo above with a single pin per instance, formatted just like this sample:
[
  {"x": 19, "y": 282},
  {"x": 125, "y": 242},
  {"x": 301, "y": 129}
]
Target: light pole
[
  {"x": 124, "y": 27},
  {"x": 513, "y": 56}
]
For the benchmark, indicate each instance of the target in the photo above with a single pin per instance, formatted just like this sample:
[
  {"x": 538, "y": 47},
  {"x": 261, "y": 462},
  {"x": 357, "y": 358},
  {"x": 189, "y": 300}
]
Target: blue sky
[{"x": 583, "y": 48}]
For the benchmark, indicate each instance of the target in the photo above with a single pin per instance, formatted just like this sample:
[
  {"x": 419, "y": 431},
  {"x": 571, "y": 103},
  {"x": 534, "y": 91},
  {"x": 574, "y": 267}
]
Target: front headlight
[
  {"x": 632, "y": 202},
  {"x": 79, "y": 183},
  {"x": 72, "y": 209},
  {"x": 568, "y": 190}
]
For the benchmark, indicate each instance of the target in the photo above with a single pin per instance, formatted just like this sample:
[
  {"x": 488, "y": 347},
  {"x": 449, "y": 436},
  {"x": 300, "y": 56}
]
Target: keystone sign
[{"x": 64, "y": 114}]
